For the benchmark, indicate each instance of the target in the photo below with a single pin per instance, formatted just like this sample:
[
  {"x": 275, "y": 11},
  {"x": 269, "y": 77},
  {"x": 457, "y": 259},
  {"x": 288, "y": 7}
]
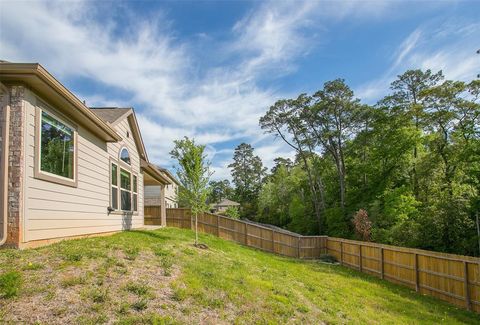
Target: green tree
[
  {"x": 407, "y": 101},
  {"x": 247, "y": 174},
  {"x": 219, "y": 190},
  {"x": 193, "y": 173},
  {"x": 412, "y": 161},
  {"x": 285, "y": 119},
  {"x": 333, "y": 119}
]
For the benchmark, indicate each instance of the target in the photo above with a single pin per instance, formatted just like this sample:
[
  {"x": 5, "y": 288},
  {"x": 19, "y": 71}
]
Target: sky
[{"x": 210, "y": 69}]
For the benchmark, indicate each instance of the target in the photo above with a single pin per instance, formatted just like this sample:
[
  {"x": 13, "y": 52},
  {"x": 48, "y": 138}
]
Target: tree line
[{"x": 405, "y": 171}]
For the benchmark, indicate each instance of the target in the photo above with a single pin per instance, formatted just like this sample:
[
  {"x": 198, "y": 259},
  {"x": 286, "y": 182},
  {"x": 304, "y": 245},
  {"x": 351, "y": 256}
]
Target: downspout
[{"x": 4, "y": 163}]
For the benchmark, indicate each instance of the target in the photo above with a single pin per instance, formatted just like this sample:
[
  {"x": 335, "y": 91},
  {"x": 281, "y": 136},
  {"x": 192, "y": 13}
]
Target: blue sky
[{"x": 210, "y": 69}]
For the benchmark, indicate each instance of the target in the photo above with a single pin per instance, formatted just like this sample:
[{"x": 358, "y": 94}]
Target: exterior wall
[
  {"x": 16, "y": 158},
  {"x": 171, "y": 196},
  {"x": 153, "y": 193},
  {"x": 54, "y": 210},
  {"x": 123, "y": 128}
]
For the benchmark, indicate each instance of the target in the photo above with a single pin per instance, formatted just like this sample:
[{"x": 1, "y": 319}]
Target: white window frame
[
  {"x": 114, "y": 186},
  {"x": 134, "y": 192},
  {"x": 125, "y": 190},
  {"x": 44, "y": 175},
  {"x": 122, "y": 165}
]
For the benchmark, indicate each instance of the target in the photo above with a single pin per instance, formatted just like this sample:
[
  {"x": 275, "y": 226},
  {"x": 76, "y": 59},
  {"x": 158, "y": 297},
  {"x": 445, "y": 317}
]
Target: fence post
[
  {"x": 218, "y": 225},
  {"x": 246, "y": 234},
  {"x": 417, "y": 279},
  {"x": 273, "y": 240},
  {"x": 465, "y": 281},
  {"x": 360, "y": 266},
  {"x": 298, "y": 246},
  {"x": 341, "y": 252},
  {"x": 382, "y": 269}
]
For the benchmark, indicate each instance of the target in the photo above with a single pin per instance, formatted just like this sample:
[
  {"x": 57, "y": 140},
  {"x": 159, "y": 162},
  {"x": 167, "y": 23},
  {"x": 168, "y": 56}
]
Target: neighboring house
[
  {"x": 223, "y": 205},
  {"x": 171, "y": 190},
  {"x": 170, "y": 200},
  {"x": 67, "y": 170}
]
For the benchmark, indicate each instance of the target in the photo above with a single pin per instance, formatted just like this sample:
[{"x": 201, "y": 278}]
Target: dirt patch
[
  {"x": 201, "y": 246},
  {"x": 94, "y": 291}
]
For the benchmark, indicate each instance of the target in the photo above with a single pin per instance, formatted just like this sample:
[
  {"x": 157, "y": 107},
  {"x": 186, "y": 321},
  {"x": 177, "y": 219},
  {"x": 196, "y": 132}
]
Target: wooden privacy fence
[
  {"x": 152, "y": 215},
  {"x": 250, "y": 234},
  {"x": 453, "y": 278}
]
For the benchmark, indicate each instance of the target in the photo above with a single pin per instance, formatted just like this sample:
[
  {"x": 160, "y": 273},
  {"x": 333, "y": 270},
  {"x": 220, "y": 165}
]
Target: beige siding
[
  {"x": 55, "y": 210},
  {"x": 152, "y": 195},
  {"x": 171, "y": 193}
]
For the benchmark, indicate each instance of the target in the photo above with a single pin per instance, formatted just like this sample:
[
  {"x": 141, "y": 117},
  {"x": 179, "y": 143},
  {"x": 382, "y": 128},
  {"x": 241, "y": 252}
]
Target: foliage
[
  {"x": 363, "y": 226},
  {"x": 193, "y": 173},
  {"x": 247, "y": 174},
  {"x": 232, "y": 212},
  {"x": 412, "y": 161},
  {"x": 219, "y": 190}
]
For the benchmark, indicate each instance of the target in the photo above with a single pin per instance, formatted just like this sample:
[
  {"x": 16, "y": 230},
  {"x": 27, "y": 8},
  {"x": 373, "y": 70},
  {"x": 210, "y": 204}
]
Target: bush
[
  {"x": 10, "y": 284},
  {"x": 232, "y": 212},
  {"x": 363, "y": 225}
]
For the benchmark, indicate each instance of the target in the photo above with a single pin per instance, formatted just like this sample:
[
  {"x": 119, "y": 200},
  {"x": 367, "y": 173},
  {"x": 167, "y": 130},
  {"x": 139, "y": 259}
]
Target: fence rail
[{"x": 453, "y": 278}]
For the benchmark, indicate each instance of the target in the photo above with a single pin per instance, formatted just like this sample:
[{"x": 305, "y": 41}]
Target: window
[
  {"x": 135, "y": 194},
  {"x": 124, "y": 185},
  {"x": 114, "y": 193},
  {"x": 56, "y": 147},
  {"x": 125, "y": 190},
  {"x": 125, "y": 156}
]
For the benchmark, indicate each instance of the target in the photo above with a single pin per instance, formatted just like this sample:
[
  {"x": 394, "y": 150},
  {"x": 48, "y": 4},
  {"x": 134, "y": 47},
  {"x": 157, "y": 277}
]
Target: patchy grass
[
  {"x": 140, "y": 289},
  {"x": 72, "y": 280},
  {"x": 10, "y": 283},
  {"x": 159, "y": 277}
]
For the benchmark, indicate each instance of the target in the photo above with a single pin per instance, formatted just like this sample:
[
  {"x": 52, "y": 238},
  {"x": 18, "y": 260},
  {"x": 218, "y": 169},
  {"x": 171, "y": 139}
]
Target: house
[
  {"x": 67, "y": 170},
  {"x": 223, "y": 205},
  {"x": 171, "y": 190},
  {"x": 155, "y": 201}
]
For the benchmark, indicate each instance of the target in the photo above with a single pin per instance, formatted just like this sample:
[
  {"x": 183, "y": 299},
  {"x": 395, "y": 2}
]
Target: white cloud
[
  {"x": 449, "y": 46},
  {"x": 406, "y": 47},
  {"x": 153, "y": 69},
  {"x": 157, "y": 73}
]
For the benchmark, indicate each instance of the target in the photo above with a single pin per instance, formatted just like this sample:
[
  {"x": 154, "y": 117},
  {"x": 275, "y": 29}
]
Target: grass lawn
[{"x": 158, "y": 277}]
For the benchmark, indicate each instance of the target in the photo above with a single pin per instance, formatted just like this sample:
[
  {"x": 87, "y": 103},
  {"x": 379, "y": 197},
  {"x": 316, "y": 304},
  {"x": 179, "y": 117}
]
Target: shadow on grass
[
  {"x": 400, "y": 299},
  {"x": 155, "y": 234}
]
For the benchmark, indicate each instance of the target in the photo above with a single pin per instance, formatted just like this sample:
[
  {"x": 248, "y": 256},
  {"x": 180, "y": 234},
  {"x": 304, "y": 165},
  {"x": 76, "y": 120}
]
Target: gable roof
[
  {"x": 110, "y": 114},
  {"x": 44, "y": 84},
  {"x": 227, "y": 203},
  {"x": 114, "y": 115},
  {"x": 169, "y": 175}
]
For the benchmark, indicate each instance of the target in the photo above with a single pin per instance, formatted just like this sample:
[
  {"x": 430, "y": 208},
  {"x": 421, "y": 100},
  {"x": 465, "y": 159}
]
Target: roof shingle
[{"x": 110, "y": 114}]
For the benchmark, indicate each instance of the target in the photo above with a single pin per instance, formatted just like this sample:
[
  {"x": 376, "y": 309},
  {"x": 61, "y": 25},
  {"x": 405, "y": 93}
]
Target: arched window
[{"x": 125, "y": 156}]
